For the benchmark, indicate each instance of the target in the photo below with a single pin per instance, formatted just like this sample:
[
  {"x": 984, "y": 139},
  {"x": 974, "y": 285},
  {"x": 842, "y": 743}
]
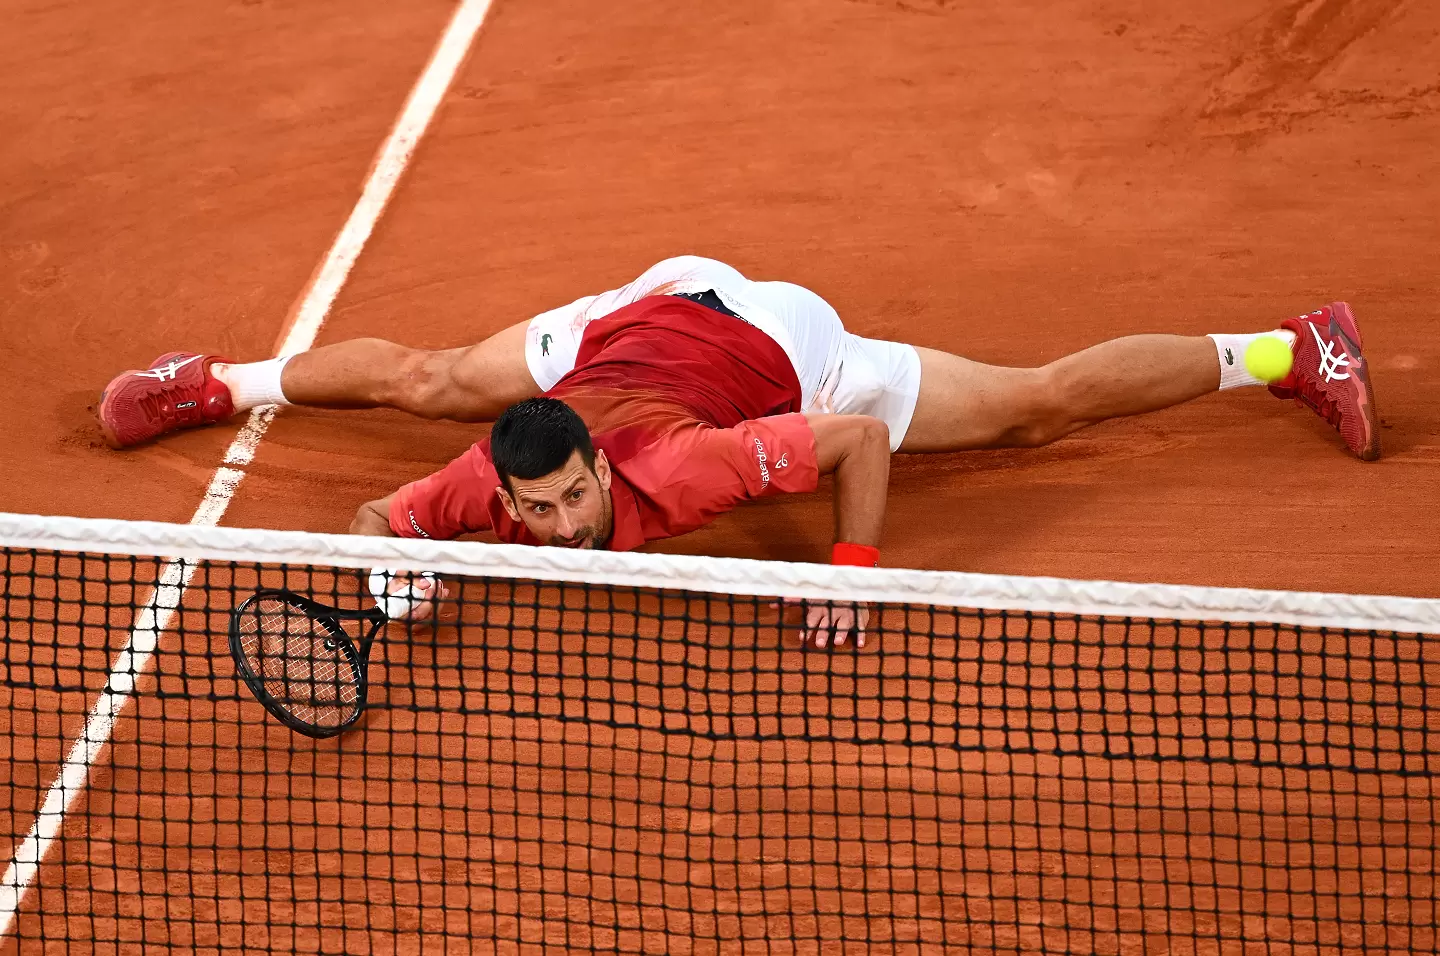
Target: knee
[
  {"x": 423, "y": 384},
  {"x": 1042, "y": 414}
]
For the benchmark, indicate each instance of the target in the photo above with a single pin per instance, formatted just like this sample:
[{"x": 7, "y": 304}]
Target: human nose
[{"x": 565, "y": 524}]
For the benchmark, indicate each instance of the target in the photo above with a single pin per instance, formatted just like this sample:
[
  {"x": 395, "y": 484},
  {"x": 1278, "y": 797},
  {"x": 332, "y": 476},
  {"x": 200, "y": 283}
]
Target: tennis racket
[{"x": 298, "y": 660}]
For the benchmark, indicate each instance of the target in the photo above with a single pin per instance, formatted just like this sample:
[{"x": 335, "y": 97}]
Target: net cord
[{"x": 816, "y": 582}]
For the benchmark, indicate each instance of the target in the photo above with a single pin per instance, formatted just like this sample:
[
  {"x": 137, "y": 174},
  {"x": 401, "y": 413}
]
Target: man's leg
[
  {"x": 187, "y": 389},
  {"x": 467, "y": 384},
  {"x": 471, "y": 384},
  {"x": 965, "y": 405},
  {"x": 962, "y": 404}
]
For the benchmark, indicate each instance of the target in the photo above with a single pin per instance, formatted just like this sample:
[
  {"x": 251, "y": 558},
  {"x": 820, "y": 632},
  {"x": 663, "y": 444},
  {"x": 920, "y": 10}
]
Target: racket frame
[{"x": 330, "y": 618}]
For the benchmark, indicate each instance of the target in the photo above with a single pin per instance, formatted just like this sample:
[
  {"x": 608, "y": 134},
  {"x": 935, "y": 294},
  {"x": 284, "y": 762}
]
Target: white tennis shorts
[{"x": 839, "y": 372}]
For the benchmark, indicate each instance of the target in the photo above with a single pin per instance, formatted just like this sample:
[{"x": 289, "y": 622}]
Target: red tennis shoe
[
  {"x": 1332, "y": 378},
  {"x": 177, "y": 391}
]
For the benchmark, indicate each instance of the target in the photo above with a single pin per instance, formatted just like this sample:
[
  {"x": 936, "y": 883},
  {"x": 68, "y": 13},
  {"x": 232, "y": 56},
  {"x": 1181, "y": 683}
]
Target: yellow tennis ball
[{"x": 1269, "y": 358}]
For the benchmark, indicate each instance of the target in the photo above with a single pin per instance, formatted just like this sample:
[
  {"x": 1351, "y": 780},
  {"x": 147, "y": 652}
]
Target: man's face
[{"x": 568, "y": 508}]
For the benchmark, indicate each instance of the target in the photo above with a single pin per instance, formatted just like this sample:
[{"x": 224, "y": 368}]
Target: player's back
[
  {"x": 668, "y": 357},
  {"x": 662, "y": 385}
]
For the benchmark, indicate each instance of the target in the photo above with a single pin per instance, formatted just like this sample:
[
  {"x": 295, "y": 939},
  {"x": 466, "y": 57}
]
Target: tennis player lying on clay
[{"x": 691, "y": 389}]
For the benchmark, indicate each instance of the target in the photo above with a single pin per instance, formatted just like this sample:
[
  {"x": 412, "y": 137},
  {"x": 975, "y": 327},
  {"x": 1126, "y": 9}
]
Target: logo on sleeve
[
  {"x": 761, "y": 458},
  {"x": 545, "y": 343},
  {"x": 415, "y": 525}
]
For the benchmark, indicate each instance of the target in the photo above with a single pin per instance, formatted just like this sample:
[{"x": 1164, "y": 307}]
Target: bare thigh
[
  {"x": 966, "y": 405},
  {"x": 487, "y": 378}
]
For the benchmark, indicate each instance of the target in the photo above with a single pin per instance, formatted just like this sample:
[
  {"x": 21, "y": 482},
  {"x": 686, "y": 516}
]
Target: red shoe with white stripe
[
  {"x": 1332, "y": 378},
  {"x": 177, "y": 391}
]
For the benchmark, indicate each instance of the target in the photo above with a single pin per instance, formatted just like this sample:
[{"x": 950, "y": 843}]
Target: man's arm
[
  {"x": 447, "y": 504},
  {"x": 857, "y": 449},
  {"x": 707, "y": 471},
  {"x": 443, "y": 505},
  {"x": 373, "y": 518}
]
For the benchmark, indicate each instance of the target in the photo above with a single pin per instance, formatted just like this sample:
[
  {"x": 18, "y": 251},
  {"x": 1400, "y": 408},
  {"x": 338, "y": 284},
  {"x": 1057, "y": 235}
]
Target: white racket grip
[{"x": 400, "y": 603}]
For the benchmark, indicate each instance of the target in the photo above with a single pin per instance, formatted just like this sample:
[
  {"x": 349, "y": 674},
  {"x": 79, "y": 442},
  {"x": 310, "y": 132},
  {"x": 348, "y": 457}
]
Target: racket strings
[{"x": 302, "y": 664}]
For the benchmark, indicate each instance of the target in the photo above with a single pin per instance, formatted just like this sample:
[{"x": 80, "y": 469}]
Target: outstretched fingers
[{"x": 828, "y": 625}]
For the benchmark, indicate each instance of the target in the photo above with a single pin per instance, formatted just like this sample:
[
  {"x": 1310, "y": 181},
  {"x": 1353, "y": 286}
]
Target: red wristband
[{"x": 859, "y": 555}]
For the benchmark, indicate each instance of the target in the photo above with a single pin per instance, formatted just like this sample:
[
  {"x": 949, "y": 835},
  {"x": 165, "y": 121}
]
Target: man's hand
[
  {"x": 405, "y": 595},
  {"x": 827, "y": 623}
]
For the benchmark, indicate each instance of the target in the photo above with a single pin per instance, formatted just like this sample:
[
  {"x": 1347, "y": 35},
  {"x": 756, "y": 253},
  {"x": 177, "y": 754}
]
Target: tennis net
[{"x": 631, "y": 753}]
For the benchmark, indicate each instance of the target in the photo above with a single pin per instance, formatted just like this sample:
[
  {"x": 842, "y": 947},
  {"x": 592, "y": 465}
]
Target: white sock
[
  {"x": 1231, "y": 350},
  {"x": 252, "y": 384}
]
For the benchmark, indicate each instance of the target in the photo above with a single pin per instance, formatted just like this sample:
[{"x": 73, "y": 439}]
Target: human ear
[
  {"x": 508, "y": 503},
  {"x": 602, "y": 469}
]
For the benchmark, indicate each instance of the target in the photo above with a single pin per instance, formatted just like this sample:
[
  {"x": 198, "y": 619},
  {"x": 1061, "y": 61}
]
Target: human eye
[
  {"x": 577, "y": 494},
  {"x": 540, "y": 508}
]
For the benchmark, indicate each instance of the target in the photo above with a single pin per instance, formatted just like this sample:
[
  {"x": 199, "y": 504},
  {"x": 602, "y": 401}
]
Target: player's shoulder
[{"x": 475, "y": 467}]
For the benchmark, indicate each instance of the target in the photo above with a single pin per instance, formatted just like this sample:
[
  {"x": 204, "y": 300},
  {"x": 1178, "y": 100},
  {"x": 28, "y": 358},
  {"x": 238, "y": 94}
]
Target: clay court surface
[{"x": 1010, "y": 181}]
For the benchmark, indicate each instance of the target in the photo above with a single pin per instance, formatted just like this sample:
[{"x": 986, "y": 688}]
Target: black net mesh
[{"x": 558, "y": 767}]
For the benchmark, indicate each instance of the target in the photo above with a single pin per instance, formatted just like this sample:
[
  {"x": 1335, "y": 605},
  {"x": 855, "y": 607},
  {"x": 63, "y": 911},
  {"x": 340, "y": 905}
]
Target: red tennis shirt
[{"x": 693, "y": 408}]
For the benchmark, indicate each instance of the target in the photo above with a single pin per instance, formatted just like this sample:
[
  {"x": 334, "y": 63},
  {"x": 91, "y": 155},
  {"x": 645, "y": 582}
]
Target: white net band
[{"x": 725, "y": 575}]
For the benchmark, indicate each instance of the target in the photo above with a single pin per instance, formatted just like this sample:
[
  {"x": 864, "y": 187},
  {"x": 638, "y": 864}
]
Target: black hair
[{"x": 535, "y": 437}]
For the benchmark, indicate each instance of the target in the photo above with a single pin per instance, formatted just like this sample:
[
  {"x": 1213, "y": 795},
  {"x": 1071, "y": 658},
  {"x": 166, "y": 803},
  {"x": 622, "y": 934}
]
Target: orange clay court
[{"x": 1008, "y": 181}]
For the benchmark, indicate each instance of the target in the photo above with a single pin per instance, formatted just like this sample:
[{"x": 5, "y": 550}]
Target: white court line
[{"x": 315, "y": 305}]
